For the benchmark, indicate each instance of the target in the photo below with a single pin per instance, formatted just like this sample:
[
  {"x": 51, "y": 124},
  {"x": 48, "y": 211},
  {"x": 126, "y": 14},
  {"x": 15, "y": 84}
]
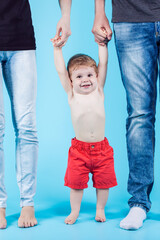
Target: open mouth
[{"x": 85, "y": 85}]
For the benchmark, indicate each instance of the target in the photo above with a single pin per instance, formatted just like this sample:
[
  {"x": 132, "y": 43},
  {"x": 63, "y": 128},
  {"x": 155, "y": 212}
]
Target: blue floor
[{"x": 51, "y": 225}]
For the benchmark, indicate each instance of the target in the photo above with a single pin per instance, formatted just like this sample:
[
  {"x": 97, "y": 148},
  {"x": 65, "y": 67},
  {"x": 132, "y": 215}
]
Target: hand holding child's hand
[
  {"x": 101, "y": 30},
  {"x": 62, "y": 33}
]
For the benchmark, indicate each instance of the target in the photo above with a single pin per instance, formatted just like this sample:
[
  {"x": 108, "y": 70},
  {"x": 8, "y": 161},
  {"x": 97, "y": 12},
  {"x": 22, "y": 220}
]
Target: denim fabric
[
  {"x": 137, "y": 46},
  {"x": 18, "y": 70}
]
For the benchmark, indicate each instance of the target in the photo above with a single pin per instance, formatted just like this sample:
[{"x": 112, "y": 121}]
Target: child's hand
[
  {"x": 105, "y": 42},
  {"x": 55, "y": 41}
]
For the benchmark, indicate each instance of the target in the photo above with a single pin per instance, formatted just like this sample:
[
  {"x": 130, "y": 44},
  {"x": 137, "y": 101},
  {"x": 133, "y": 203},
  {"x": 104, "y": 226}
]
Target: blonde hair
[{"x": 80, "y": 60}]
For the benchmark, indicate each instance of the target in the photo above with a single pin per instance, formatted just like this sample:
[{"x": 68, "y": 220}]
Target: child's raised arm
[
  {"x": 62, "y": 71},
  {"x": 102, "y": 65}
]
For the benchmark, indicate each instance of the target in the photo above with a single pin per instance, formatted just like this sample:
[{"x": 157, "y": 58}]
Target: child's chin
[
  {"x": 84, "y": 91},
  {"x": 88, "y": 91}
]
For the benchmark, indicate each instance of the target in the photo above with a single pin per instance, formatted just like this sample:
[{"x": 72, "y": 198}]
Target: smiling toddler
[{"x": 90, "y": 151}]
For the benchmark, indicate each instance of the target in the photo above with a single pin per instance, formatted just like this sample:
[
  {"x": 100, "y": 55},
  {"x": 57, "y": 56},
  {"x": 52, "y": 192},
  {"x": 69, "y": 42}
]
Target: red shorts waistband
[{"x": 90, "y": 145}]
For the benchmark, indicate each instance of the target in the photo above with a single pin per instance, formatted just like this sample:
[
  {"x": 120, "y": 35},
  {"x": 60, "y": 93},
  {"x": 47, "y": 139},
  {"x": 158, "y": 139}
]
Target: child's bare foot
[
  {"x": 72, "y": 217},
  {"x": 27, "y": 217},
  {"x": 3, "y": 222},
  {"x": 100, "y": 215}
]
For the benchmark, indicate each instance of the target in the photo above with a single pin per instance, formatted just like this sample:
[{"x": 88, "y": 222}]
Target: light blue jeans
[
  {"x": 138, "y": 51},
  {"x": 18, "y": 70}
]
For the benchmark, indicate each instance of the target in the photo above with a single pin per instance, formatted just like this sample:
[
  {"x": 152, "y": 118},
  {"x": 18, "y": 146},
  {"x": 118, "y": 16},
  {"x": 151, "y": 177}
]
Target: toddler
[{"x": 90, "y": 151}]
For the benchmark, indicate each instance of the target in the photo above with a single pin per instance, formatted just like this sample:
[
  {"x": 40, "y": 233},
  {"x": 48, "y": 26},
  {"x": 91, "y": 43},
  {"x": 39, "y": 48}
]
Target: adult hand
[
  {"x": 101, "y": 29},
  {"x": 63, "y": 32}
]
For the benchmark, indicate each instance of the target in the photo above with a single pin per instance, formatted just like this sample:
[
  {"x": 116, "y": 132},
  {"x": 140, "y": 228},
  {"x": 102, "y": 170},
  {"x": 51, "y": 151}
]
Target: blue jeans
[
  {"x": 138, "y": 52},
  {"x": 18, "y": 69}
]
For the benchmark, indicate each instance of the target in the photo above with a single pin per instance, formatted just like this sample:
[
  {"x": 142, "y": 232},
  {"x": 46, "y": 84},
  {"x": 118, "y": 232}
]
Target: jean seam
[{"x": 20, "y": 164}]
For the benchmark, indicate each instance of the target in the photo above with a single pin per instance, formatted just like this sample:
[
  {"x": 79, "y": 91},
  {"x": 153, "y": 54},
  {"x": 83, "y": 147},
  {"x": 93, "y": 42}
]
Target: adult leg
[
  {"x": 20, "y": 77},
  {"x": 3, "y": 195},
  {"x": 75, "y": 200},
  {"x": 137, "y": 53}
]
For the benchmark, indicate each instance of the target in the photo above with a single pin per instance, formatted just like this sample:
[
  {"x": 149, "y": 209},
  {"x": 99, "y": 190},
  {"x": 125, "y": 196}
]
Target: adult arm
[
  {"x": 63, "y": 26},
  {"x": 101, "y": 28}
]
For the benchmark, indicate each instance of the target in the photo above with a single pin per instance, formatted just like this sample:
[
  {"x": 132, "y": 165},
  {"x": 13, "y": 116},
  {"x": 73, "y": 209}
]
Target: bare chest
[{"x": 87, "y": 105}]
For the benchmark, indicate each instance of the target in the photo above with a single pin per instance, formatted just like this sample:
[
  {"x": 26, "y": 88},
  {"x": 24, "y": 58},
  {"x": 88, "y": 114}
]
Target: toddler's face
[{"x": 84, "y": 79}]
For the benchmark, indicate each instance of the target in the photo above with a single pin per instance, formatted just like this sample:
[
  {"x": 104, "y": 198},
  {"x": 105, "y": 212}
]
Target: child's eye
[
  {"x": 90, "y": 75},
  {"x": 79, "y": 76}
]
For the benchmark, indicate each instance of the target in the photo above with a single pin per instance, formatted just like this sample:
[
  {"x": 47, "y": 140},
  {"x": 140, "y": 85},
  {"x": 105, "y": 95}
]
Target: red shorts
[{"x": 95, "y": 158}]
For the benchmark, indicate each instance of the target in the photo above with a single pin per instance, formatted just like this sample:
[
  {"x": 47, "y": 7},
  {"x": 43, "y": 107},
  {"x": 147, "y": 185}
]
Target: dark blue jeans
[{"x": 138, "y": 46}]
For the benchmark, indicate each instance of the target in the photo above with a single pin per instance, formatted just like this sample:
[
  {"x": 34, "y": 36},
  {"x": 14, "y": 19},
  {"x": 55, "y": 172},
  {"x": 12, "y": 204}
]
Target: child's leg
[
  {"x": 75, "y": 200},
  {"x": 3, "y": 222},
  {"x": 102, "y": 196}
]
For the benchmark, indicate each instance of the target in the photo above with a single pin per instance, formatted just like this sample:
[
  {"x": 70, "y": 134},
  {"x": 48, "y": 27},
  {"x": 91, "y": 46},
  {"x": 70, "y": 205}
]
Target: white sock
[{"x": 134, "y": 219}]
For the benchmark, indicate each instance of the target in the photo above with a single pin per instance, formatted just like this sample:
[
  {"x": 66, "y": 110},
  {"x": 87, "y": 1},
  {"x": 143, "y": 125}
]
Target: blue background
[{"x": 55, "y": 132}]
